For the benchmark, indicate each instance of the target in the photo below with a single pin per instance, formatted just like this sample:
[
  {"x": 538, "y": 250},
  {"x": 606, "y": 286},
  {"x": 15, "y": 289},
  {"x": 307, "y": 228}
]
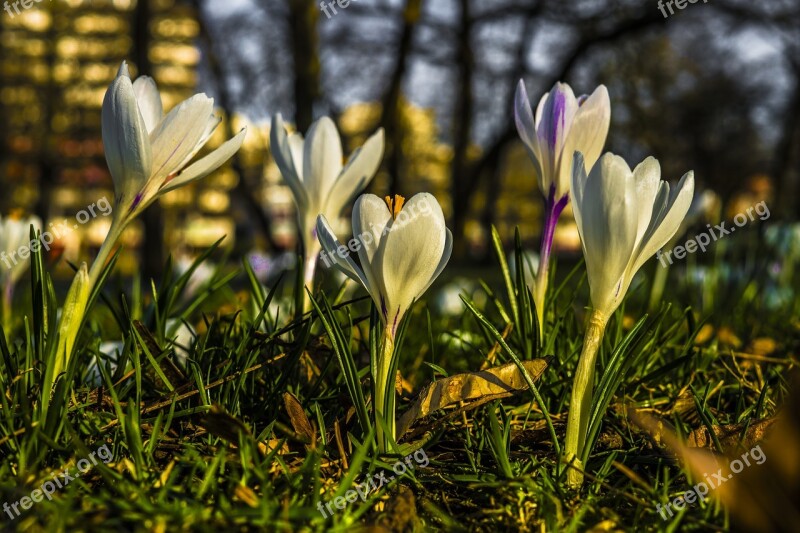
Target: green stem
[
  {"x": 581, "y": 397},
  {"x": 8, "y": 298},
  {"x": 114, "y": 233},
  {"x": 70, "y": 322},
  {"x": 311, "y": 252},
  {"x": 540, "y": 291},
  {"x": 384, "y": 409}
]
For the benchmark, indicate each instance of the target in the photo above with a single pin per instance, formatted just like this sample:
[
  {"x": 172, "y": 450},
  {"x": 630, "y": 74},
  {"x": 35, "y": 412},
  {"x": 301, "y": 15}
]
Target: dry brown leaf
[
  {"x": 219, "y": 422},
  {"x": 402, "y": 385},
  {"x": 400, "y": 513},
  {"x": 297, "y": 415},
  {"x": 729, "y": 435},
  {"x": 470, "y": 386}
]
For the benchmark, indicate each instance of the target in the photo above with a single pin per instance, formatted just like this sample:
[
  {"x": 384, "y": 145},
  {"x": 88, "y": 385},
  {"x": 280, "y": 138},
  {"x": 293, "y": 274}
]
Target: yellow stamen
[
  {"x": 16, "y": 214},
  {"x": 395, "y": 204}
]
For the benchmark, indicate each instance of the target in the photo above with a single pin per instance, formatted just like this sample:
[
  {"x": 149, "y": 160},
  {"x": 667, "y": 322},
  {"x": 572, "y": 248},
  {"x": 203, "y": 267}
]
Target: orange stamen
[{"x": 395, "y": 204}]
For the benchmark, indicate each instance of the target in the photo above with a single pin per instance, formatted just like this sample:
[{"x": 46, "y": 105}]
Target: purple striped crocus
[{"x": 563, "y": 124}]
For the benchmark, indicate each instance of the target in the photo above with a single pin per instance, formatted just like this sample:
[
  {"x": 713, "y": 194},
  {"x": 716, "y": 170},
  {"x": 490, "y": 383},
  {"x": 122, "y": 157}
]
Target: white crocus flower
[
  {"x": 148, "y": 153},
  {"x": 15, "y": 233},
  {"x": 563, "y": 124},
  {"x": 320, "y": 183},
  {"x": 402, "y": 250},
  {"x": 15, "y": 237},
  {"x": 623, "y": 218}
]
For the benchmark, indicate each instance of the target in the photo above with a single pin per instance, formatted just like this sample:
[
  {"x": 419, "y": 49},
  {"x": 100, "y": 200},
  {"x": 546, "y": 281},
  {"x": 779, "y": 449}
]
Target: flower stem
[
  {"x": 311, "y": 252},
  {"x": 114, "y": 232},
  {"x": 8, "y": 297},
  {"x": 581, "y": 397},
  {"x": 70, "y": 323},
  {"x": 384, "y": 403},
  {"x": 552, "y": 210}
]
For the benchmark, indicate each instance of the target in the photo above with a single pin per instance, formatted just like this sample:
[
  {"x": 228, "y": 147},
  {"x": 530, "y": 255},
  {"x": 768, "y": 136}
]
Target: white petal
[
  {"x": 410, "y": 255},
  {"x": 296, "y": 144},
  {"x": 370, "y": 218},
  {"x": 282, "y": 149},
  {"x": 523, "y": 118},
  {"x": 208, "y": 164},
  {"x": 647, "y": 177},
  {"x": 587, "y": 133},
  {"x": 609, "y": 224},
  {"x": 178, "y": 135},
  {"x": 125, "y": 140},
  {"x": 322, "y": 159},
  {"x": 331, "y": 248},
  {"x": 211, "y": 125},
  {"x": 149, "y": 101},
  {"x": 448, "y": 251},
  {"x": 526, "y": 127},
  {"x": 360, "y": 170},
  {"x": 579, "y": 177},
  {"x": 668, "y": 223}
]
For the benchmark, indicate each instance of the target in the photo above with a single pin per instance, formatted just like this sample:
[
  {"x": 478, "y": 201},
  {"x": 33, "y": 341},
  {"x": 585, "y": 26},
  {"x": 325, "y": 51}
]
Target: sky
[{"x": 358, "y": 73}]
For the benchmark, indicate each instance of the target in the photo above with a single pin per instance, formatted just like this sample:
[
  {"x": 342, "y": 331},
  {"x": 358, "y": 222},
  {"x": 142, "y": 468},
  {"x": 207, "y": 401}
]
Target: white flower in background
[
  {"x": 530, "y": 261},
  {"x": 15, "y": 234},
  {"x": 320, "y": 183},
  {"x": 402, "y": 250},
  {"x": 623, "y": 218},
  {"x": 149, "y": 153},
  {"x": 447, "y": 301},
  {"x": 198, "y": 279},
  {"x": 182, "y": 336},
  {"x": 562, "y": 125}
]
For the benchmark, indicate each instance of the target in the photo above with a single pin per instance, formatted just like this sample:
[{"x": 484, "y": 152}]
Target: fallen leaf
[
  {"x": 400, "y": 513},
  {"x": 225, "y": 426},
  {"x": 297, "y": 415},
  {"x": 506, "y": 379},
  {"x": 730, "y": 435}
]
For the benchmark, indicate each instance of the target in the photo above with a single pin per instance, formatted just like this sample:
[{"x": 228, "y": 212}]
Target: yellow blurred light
[
  {"x": 184, "y": 54},
  {"x": 35, "y": 19},
  {"x": 97, "y": 230},
  {"x": 203, "y": 232},
  {"x": 99, "y": 24},
  {"x": 214, "y": 201}
]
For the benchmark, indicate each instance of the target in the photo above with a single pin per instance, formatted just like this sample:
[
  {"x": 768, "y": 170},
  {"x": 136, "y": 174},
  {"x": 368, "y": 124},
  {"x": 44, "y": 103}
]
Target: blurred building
[{"x": 56, "y": 61}]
